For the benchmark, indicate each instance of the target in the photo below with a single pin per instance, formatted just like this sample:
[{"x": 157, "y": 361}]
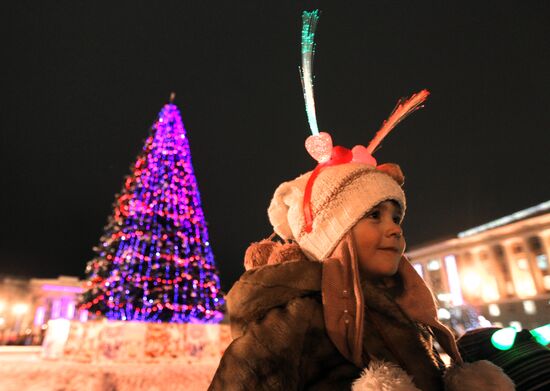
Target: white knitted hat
[{"x": 341, "y": 195}]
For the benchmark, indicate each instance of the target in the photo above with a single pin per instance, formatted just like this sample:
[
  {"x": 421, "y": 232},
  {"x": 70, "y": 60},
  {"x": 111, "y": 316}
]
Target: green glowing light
[
  {"x": 503, "y": 339},
  {"x": 542, "y": 334},
  {"x": 309, "y": 22}
]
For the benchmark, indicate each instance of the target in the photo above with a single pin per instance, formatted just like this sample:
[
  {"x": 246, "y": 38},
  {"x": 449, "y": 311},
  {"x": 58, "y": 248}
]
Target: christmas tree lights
[{"x": 154, "y": 262}]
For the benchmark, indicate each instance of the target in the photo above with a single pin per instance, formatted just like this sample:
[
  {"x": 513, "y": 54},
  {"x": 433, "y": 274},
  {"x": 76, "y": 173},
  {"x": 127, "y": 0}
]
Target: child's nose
[{"x": 394, "y": 230}]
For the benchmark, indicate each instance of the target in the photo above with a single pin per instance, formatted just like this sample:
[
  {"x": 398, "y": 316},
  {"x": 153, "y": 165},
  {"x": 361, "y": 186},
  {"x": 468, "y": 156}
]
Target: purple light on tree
[{"x": 154, "y": 262}]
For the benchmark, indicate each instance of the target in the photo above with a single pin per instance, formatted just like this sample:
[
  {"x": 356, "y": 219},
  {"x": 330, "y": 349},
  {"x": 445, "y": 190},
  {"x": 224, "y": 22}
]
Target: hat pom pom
[
  {"x": 394, "y": 171},
  {"x": 479, "y": 375},
  {"x": 286, "y": 195},
  {"x": 257, "y": 254},
  {"x": 268, "y": 252},
  {"x": 289, "y": 251}
]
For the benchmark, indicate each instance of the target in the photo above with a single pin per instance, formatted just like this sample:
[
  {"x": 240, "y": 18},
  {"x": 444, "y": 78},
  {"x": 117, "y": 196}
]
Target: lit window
[
  {"x": 434, "y": 265},
  {"x": 523, "y": 264},
  {"x": 56, "y": 309},
  {"x": 529, "y": 307},
  {"x": 542, "y": 261},
  {"x": 443, "y": 313},
  {"x": 70, "y": 310},
  {"x": 525, "y": 286},
  {"x": 483, "y": 322},
  {"x": 444, "y": 296},
  {"x": 472, "y": 280},
  {"x": 517, "y": 325},
  {"x": 418, "y": 268},
  {"x": 19, "y": 309},
  {"x": 489, "y": 291},
  {"x": 454, "y": 280},
  {"x": 39, "y": 316},
  {"x": 494, "y": 310},
  {"x": 498, "y": 324},
  {"x": 83, "y": 317}
]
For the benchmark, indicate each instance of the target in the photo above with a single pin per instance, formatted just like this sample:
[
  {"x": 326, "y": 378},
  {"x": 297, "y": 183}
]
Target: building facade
[
  {"x": 501, "y": 269},
  {"x": 26, "y": 306}
]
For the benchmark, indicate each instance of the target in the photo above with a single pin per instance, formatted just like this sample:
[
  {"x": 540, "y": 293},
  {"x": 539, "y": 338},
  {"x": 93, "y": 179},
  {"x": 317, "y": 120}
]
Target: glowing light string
[
  {"x": 402, "y": 110},
  {"x": 309, "y": 24}
]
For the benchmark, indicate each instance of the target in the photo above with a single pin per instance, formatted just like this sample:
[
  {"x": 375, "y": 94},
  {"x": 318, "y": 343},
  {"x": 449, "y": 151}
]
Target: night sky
[{"x": 84, "y": 81}]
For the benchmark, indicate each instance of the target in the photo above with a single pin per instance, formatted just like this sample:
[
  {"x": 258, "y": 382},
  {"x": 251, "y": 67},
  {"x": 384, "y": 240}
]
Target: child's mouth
[{"x": 392, "y": 249}]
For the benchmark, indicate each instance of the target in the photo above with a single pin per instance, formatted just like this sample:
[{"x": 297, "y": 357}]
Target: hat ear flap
[
  {"x": 394, "y": 171},
  {"x": 287, "y": 194}
]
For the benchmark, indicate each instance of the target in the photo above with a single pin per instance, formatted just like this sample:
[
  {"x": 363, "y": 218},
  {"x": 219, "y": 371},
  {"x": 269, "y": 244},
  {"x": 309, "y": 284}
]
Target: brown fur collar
[
  {"x": 269, "y": 252},
  {"x": 266, "y": 287}
]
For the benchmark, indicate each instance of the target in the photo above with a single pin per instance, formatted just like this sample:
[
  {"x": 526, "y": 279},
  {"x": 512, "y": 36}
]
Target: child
[
  {"x": 312, "y": 313},
  {"x": 338, "y": 297}
]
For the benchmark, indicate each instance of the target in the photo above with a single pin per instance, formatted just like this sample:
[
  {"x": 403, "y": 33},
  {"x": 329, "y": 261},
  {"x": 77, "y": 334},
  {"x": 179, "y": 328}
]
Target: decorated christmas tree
[{"x": 154, "y": 262}]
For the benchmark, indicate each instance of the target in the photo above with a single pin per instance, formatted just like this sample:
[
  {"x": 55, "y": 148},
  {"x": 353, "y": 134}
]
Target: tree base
[{"x": 134, "y": 342}]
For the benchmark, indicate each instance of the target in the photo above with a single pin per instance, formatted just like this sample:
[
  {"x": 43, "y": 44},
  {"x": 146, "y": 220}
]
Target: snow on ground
[{"x": 25, "y": 371}]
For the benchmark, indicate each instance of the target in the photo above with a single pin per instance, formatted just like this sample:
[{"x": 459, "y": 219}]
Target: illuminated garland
[{"x": 154, "y": 262}]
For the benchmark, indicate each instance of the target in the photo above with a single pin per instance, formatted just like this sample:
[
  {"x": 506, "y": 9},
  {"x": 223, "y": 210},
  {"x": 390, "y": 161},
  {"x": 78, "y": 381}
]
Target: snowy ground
[{"x": 22, "y": 369}]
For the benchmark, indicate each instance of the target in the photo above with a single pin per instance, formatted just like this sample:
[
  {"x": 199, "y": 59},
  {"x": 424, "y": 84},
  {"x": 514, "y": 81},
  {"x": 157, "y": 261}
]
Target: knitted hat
[{"x": 340, "y": 196}]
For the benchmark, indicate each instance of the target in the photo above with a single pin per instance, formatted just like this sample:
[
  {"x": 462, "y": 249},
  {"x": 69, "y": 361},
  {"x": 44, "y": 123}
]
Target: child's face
[{"x": 379, "y": 240}]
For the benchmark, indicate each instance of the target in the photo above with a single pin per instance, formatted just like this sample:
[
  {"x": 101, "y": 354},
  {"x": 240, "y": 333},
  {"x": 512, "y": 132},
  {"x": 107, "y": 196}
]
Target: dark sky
[{"x": 83, "y": 82}]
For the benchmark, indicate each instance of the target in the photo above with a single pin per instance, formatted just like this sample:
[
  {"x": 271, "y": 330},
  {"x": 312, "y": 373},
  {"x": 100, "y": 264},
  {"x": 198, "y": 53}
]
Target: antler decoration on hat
[
  {"x": 402, "y": 110},
  {"x": 319, "y": 144}
]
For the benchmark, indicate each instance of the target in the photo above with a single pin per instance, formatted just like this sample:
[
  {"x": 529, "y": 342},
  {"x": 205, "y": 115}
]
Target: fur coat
[
  {"x": 279, "y": 336},
  {"x": 281, "y": 343}
]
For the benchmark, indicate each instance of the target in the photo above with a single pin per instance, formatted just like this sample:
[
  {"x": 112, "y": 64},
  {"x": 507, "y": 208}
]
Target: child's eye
[
  {"x": 397, "y": 219},
  {"x": 375, "y": 214}
]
